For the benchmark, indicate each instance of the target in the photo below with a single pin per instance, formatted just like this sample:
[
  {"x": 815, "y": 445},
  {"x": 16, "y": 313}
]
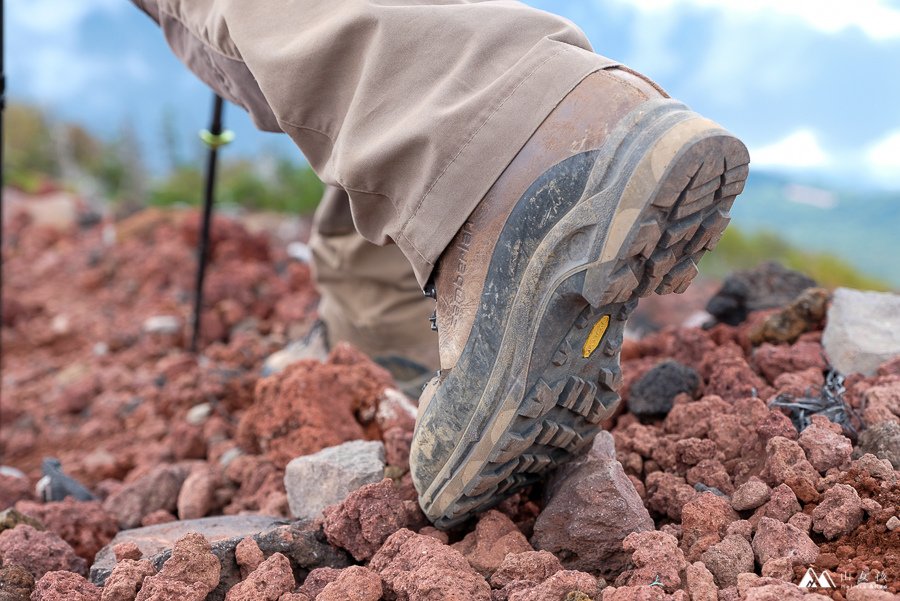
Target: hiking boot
[{"x": 616, "y": 196}]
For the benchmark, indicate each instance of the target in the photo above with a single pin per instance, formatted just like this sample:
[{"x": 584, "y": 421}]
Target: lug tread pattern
[{"x": 558, "y": 420}]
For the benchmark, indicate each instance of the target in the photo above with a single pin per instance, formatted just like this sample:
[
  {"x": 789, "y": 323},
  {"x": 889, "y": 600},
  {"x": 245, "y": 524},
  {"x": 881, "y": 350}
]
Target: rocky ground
[{"x": 740, "y": 459}]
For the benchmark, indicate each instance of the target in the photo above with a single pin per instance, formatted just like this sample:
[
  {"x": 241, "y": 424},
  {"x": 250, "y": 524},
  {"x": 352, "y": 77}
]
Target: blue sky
[{"x": 813, "y": 86}]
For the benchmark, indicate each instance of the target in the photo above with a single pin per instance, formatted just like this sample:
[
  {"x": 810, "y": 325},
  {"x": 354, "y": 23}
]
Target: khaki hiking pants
[{"x": 413, "y": 107}]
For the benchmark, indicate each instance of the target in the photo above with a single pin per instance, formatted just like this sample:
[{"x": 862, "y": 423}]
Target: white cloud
[
  {"x": 878, "y": 19},
  {"x": 884, "y": 155},
  {"x": 799, "y": 150},
  {"x": 883, "y": 160},
  {"x": 49, "y": 58}
]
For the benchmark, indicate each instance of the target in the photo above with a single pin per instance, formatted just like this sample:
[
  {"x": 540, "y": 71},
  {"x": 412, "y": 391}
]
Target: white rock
[
  {"x": 198, "y": 414},
  {"x": 313, "y": 482},
  {"x": 162, "y": 324},
  {"x": 863, "y": 330}
]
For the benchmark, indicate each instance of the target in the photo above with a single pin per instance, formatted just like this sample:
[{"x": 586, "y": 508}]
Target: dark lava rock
[
  {"x": 301, "y": 542},
  {"x": 16, "y": 583},
  {"x": 881, "y": 440},
  {"x": 655, "y": 392},
  {"x": 767, "y": 286}
]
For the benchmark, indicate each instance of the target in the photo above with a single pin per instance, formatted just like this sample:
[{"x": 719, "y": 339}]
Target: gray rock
[
  {"x": 301, "y": 542},
  {"x": 313, "y": 482},
  {"x": 313, "y": 346},
  {"x": 655, "y": 391},
  {"x": 56, "y": 485},
  {"x": 766, "y": 286},
  {"x": 592, "y": 508},
  {"x": 881, "y": 440},
  {"x": 863, "y": 330},
  {"x": 156, "y": 490}
]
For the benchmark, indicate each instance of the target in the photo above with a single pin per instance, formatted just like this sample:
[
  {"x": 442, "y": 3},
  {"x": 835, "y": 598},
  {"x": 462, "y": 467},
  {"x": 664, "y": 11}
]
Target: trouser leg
[
  {"x": 414, "y": 108},
  {"x": 370, "y": 296}
]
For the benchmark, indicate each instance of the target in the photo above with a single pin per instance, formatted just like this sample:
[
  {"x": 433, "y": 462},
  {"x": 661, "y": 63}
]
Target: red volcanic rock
[
  {"x": 13, "y": 489},
  {"x": 655, "y": 557},
  {"x": 704, "y": 521},
  {"x": 317, "y": 580},
  {"x": 700, "y": 585},
  {"x": 637, "y": 593},
  {"x": 368, "y": 516},
  {"x": 693, "y": 419},
  {"x": 775, "y": 539},
  {"x": 397, "y": 445},
  {"x": 271, "y": 579},
  {"x": 667, "y": 494},
  {"x": 197, "y": 495},
  {"x": 38, "y": 552},
  {"x": 826, "y": 447},
  {"x": 157, "y": 490},
  {"x": 728, "y": 558},
  {"x": 774, "y": 360},
  {"x": 839, "y": 512},
  {"x": 804, "y": 383},
  {"x": 160, "y": 516},
  {"x": 419, "y": 567},
  {"x": 248, "y": 556},
  {"x": 160, "y": 589},
  {"x": 355, "y": 583},
  {"x": 494, "y": 537},
  {"x": 126, "y": 579},
  {"x": 82, "y": 524},
  {"x": 64, "y": 586},
  {"x": 781, "y": 505},
  {"x": 711, "y": 473},
  {"x": 192, "y": 571},
  {"x": 775, "y": 423},
  {"x": 750, "y": 495},
  {"x": 127, "y": 550},
  {"x": 691, "y": 451},
  {"x": 787, "y": 463},
  {"x": 565, "y": 584},
  {"x": 882, "y": 403},
  {"x": 729, "y": 376},
  {"x": 532, "y": 567},
  {"x": 593, "y": 508},
  {"x": 311, "y": 406}
]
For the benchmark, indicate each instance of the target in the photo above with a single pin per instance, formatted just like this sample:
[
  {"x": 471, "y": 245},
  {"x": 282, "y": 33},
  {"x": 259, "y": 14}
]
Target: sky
[{"x": 812, "y": 86}]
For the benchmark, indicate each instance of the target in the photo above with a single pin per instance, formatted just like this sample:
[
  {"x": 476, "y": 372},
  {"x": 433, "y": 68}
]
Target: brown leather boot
[{"x": 617, "y": 195}]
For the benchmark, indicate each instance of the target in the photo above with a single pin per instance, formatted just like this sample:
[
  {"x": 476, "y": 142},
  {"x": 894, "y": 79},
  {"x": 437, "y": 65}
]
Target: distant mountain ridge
[{"x": 860, "y": 226}]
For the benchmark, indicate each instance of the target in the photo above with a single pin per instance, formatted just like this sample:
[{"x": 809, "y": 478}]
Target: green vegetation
[
  {"x": 739, "y": 250},
  {"x": 41, "y": 153},
  {"x": 287, "y": 188},
  {"x": 858, "y": 228}
]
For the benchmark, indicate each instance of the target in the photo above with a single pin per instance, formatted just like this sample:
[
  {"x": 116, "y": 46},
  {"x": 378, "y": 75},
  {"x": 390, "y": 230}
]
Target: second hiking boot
[{"x": 617, "y": 195}]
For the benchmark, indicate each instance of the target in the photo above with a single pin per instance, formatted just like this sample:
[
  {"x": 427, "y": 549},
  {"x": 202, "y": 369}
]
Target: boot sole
[{"x": 651, "y": 208}]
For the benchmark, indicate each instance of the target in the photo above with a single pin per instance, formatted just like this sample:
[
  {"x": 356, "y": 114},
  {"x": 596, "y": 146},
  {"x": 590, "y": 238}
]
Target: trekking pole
[
  {"x": 2, "y": 179},
  {"x": 214, "y": 138}
]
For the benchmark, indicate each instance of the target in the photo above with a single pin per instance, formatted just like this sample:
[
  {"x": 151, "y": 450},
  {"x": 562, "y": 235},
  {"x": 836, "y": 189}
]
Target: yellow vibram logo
[{"x": 595, "y": 337}]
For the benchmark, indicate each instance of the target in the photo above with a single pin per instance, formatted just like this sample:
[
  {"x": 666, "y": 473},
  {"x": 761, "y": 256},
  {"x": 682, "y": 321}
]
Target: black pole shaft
[
  {"x": 215, "y": 129},
  {"x": 2, "y": 179}
]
